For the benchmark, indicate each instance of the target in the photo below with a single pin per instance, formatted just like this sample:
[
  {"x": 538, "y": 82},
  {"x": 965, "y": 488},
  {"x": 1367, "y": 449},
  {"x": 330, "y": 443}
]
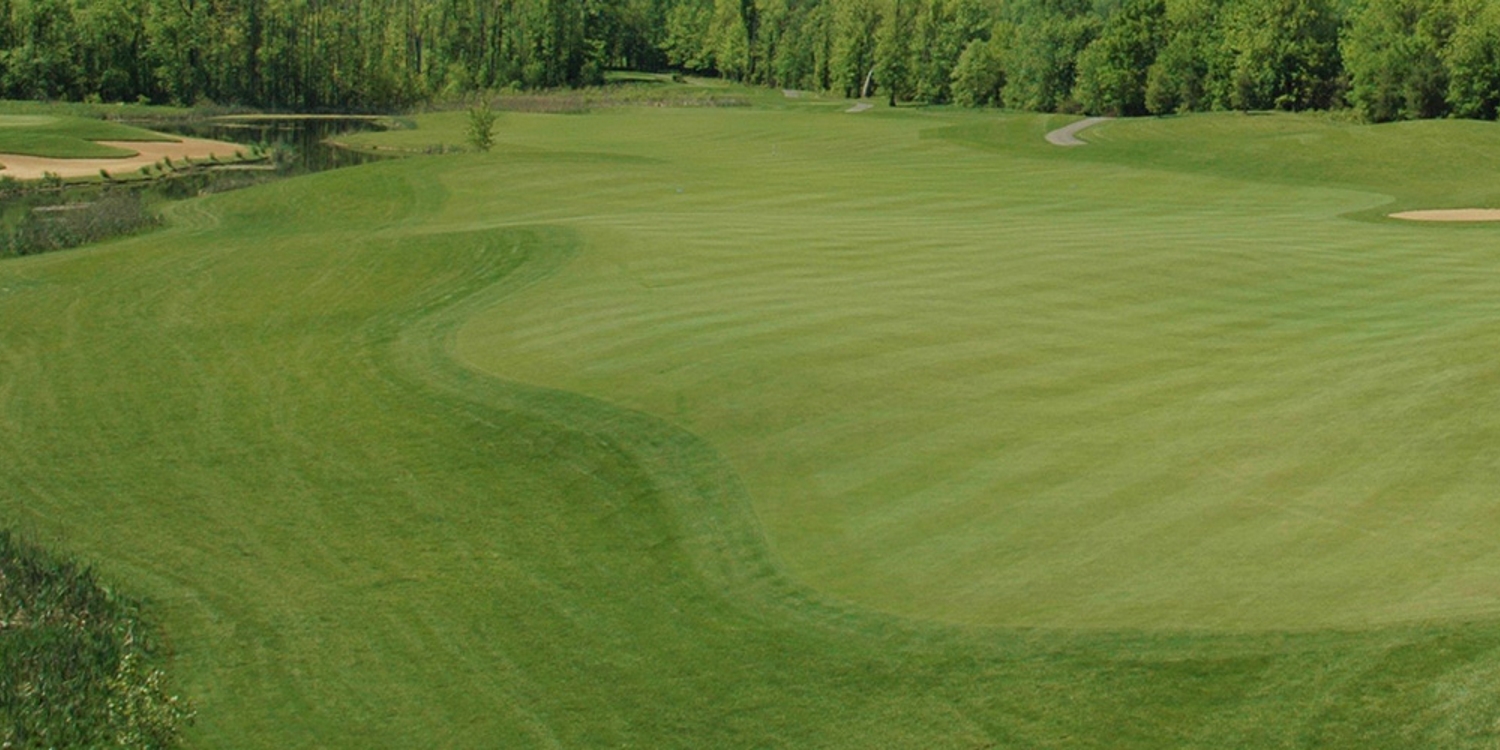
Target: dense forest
[{"x": 1390, "y": 59}]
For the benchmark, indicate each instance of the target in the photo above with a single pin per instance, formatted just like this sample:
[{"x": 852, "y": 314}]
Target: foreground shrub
[
  {"x": 74, "y": 660},
  {"x": 117, "y": 213}
]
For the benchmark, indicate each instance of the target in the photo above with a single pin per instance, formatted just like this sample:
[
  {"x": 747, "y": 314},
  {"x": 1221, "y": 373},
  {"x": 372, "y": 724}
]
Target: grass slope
[{"x": 809, "y": 430}]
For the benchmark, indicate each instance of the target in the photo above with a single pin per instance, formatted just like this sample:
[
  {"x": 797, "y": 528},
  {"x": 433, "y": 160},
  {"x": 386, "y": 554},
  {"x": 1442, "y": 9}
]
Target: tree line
[
  {"x": 1390, "y": 59},
  {"x": 314, "y": 54}
]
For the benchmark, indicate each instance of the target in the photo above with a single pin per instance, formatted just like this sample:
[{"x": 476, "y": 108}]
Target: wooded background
[{"x": 1389, "y": 59}]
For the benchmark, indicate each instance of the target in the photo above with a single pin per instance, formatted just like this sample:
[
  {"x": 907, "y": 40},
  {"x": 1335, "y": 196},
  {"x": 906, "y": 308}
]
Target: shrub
[
  {"x": 74, "y": 660},
  {"x": 481, "y": 128},
  {"x": 117, "y": 213}
]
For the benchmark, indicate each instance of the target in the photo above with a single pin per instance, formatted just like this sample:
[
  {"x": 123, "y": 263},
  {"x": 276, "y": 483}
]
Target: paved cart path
[{"x": 1068, "y": 136}]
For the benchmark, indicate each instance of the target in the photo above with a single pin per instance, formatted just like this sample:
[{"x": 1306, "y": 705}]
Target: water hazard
[
  {"x": 300, "y": 144},
  {"x": 38, "y": 221}
]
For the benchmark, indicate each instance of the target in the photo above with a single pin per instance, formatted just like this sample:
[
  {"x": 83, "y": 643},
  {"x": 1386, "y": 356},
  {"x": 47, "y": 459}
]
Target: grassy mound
[
  {"x": 1405, "y": 162},
  {"x": 773, "y": 426}
]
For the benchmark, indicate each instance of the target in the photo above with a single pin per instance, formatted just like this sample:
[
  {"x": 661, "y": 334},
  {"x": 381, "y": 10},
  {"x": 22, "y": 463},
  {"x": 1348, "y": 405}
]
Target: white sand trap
[
  {"x": 1451, "y": 214},
  {"x": 146, "y": 152},
  {"x": 861, "y": 107}
]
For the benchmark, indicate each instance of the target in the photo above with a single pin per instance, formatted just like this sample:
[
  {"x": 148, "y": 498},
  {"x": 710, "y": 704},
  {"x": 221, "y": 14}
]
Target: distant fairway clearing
[{"x": 1453, "y": 214}]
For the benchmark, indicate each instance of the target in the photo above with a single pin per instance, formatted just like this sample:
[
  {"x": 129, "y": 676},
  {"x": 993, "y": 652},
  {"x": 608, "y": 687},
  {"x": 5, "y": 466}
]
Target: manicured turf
[
  {"x": 784, "y": 427},
  {"x": 1031, "y": 392},
  {"x": 64, "y": 137}
]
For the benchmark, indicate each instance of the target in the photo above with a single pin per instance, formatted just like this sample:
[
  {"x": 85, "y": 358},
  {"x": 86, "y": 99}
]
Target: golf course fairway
[{"x": 781, "y": 426}]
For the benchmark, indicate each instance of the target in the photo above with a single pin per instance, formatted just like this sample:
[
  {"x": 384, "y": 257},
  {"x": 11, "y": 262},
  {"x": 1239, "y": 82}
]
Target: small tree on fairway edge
[{"x": 481, "y": 128}]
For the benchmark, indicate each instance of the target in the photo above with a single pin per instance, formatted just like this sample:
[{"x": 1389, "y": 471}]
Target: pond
[
  {"x": 36, "y": 222},
  {"x": 301, "y": 143}
]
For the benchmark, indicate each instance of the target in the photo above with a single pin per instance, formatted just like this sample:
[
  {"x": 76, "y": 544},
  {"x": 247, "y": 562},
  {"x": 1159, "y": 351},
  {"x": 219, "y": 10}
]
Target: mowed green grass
[
  {"x": 779, "y": 427},
  {"x": 1043, "y": 392},
  {"x": 67, "y": 137}
]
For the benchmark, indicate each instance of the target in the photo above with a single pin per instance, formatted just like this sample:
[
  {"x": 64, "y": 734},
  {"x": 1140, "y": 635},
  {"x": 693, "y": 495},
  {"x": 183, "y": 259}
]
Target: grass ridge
[{"x": 710, "y": 503}]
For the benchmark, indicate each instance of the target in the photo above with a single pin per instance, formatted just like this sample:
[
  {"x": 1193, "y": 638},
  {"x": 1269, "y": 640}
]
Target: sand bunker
[
  {"x": 147, "y": 152},
  {"x": 1451, "y": 214}
]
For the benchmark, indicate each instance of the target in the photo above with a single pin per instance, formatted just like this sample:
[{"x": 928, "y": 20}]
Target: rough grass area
[
  {"x": 102, "y": 111},
  {"x": 32, "y": 230},
  {"x": 779, "y": 427},
  {"x": 75, "y": 660},
  {"x": 629, "y": 90}
]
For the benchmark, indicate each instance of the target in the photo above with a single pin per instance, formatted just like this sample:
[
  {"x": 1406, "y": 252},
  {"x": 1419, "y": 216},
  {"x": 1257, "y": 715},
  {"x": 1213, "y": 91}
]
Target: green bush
[
  {"x": 481, "y": 128},
  {"x": 115, "y": 214},
  {"x": 75, "y": 660}
]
